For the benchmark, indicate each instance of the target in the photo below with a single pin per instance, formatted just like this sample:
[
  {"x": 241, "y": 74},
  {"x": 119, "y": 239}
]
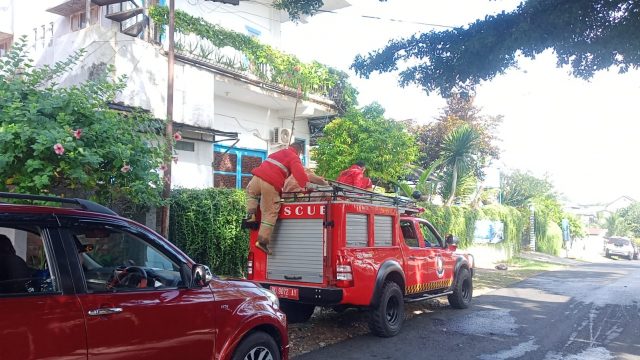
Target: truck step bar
[{"x": 427, "y": 297}]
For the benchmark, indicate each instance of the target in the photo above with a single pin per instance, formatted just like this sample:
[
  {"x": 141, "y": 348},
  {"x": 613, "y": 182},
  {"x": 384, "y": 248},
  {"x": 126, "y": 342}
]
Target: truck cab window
[
  {"x": 409, "y": 234},
  {"x": 430, "y": 239}
]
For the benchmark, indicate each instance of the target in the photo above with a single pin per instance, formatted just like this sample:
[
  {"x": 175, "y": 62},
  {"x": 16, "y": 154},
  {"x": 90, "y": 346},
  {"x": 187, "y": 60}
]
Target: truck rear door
[{"x": 298, "y": 244}]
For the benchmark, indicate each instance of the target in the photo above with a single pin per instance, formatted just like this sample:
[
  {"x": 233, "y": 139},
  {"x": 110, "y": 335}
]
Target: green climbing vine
[
  {"x": 263, "y": 61},
  {"x": 205, "y": 223},
  {"x": 460, "y": 221}
]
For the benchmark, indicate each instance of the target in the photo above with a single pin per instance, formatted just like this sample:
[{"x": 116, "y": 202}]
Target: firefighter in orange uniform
[
  {"x": 266, "y": 185},
  {"x": 354, "y": 176}
]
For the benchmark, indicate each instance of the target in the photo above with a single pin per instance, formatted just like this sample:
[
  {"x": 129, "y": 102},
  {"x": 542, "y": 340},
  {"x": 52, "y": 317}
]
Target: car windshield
[{"x": 619, "y": 242}]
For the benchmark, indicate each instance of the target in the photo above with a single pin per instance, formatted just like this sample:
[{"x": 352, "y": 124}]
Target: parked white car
[{"x": 622, "y": 247}]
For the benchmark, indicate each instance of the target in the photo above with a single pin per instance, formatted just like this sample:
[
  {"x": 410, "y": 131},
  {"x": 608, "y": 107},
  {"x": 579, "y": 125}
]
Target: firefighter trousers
[{"x": 261, "y": 193}]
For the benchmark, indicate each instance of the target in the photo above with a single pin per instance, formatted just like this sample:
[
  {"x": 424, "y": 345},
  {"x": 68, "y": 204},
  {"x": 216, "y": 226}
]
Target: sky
[{"x": 582, "y": 135}]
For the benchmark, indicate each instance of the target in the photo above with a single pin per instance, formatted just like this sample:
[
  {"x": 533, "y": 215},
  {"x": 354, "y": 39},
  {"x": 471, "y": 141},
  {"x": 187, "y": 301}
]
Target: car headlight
[{"x": 271, "y": 296}]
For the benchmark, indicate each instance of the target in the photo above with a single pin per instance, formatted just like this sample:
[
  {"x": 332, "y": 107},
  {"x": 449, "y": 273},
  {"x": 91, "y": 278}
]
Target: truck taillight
[
  {"x": 250, "y": 266},
  {"x": 344, "y": 275}
]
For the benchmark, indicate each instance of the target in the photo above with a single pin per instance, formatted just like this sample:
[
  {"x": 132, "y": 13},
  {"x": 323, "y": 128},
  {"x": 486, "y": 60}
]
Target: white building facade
[{"x": 230, "y": 120}]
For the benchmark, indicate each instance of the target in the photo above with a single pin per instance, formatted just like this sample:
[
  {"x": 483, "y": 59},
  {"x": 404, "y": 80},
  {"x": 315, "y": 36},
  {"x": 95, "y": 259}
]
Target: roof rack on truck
[{"x": 337, "y": 191}]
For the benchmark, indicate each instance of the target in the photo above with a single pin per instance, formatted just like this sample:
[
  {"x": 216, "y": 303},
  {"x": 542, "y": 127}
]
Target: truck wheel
[
  {"x": 463, "y": 290},
  {"x": 387, "y": 316},
  {"x": 297, "y": 312},
  {"x": 258, "y": 345}
]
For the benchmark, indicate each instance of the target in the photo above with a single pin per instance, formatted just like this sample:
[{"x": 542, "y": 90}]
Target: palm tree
[
  {"x": 426, "y": 182},
  {"x": 459, "y": 151},
  {"x": 616, "y": 225}
]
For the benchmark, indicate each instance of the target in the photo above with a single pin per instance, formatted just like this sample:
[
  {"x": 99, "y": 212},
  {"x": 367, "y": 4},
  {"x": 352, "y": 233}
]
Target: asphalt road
[{"x": 586, "y": 312}]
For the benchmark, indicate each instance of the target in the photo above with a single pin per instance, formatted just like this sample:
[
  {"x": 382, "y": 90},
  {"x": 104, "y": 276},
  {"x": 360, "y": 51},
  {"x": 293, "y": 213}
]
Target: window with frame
[
  {"x": 25, "y": 262},
  {"x": 78, "y": 20},
  {"x": 232, "y": 166},
  {"x": 409, "y": 234},
  {"x": 5, "y": 45},
  {"x": 430, "y": 239},
  {"x": 116, "y": 260}
]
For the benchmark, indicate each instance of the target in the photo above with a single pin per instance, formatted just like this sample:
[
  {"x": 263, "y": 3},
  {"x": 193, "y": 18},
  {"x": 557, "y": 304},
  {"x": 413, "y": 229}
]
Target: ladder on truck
[{"x": 337, "y": 191}]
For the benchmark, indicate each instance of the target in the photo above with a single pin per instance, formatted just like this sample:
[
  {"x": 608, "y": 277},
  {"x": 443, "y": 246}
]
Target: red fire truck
[{"x": 345, "y": 247}]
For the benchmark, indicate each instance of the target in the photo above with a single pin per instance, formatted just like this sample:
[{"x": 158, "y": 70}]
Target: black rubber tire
[
  {"x": 258, "y": 345},
  {"x": 297, "y": 312},
  {"x": 462, "y": 291},
  {"x": 606, "y": 254},
  {"x": 387, "y": 317}
]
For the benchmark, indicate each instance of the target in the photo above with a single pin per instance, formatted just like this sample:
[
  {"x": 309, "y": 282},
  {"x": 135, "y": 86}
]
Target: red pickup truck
[{"x": 345, "y": 247}]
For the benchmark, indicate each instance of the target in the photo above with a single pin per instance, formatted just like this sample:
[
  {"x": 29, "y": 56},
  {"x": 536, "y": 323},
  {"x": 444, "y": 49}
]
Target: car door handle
[
  {"x": 431, "y": 257},
  {"x": 105, "y": 311}
]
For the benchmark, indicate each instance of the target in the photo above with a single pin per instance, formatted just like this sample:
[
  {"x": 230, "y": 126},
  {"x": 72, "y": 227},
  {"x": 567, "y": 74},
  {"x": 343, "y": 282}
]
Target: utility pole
[{"x": 166, "y": 191}]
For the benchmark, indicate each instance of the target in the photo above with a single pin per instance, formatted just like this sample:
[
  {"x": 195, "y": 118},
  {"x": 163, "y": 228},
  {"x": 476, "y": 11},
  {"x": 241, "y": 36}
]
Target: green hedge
[
  {"x": 549, "y": 240},
  {"x": 460, "y": 221},
  {"x": 206, "y": 225}
]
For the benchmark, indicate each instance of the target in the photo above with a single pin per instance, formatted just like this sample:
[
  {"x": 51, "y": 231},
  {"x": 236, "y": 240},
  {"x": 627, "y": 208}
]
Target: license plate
[{"x": 285, "y": 292}]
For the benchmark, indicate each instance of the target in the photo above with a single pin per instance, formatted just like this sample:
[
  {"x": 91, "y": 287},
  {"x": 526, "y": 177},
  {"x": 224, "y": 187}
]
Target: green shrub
[
  {"x": 549, "y": 241},
  {"x": 205, "y": 223}
]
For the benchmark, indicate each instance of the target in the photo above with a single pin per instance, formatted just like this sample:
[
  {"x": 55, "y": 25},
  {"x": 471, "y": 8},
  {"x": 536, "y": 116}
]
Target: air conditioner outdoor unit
[{"x": 282, "y": 136}]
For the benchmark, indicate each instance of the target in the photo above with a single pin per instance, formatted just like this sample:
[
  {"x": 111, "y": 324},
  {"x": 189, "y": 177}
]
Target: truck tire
[
  {"x": 462, "y": 291},
  {"x": 297, "y": 312},
  {"x": 258, "y": 345},
  {"x": 387, "y": 316}
]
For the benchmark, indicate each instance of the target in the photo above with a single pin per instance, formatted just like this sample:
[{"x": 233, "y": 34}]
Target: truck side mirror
[{"x": 451, "y": 240}]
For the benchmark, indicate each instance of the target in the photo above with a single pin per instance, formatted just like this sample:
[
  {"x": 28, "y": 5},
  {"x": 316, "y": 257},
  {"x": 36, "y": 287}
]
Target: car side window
[
  {"x": 409, "y": 234},
  {"x": 113, "y": 259},
  {"x": 430, "y": 239},
  {"x": 25, "y": 262}
]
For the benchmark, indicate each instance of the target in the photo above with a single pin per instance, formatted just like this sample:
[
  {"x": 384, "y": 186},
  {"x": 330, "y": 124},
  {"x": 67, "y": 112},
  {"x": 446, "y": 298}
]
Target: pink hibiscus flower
[
  {"x": 177, "y": 136},
  {"x": 77, "y": 134},
  {"x": 126, "y": 168},
  {"x": 164, "y": 167},
  {"x": 58, "y": 149}
]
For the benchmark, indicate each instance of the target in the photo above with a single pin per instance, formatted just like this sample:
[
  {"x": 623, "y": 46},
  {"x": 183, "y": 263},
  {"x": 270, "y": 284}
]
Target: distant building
[{"x": 591, "y": 213}]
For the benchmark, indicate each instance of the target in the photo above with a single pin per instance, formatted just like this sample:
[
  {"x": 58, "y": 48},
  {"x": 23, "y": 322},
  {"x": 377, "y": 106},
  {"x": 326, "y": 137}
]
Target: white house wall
[
  {"x": 254, "y": 124},
  {"x": 193, "y": 169}
]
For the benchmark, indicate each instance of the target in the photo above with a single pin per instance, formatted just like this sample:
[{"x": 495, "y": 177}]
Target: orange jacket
[
  {"x": 279, "y": 166},
  {"x": 354, "y": 176}
]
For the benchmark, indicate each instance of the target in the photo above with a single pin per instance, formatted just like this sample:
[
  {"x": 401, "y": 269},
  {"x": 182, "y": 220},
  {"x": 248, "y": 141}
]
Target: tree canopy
[
  {"x": 460, "y": 110},
  {"x": 366, "y": 135},
  {"x": 66, "y": 141},
  {"x": 520, "y": 188},
  {"x": 587, "y": 35}
]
